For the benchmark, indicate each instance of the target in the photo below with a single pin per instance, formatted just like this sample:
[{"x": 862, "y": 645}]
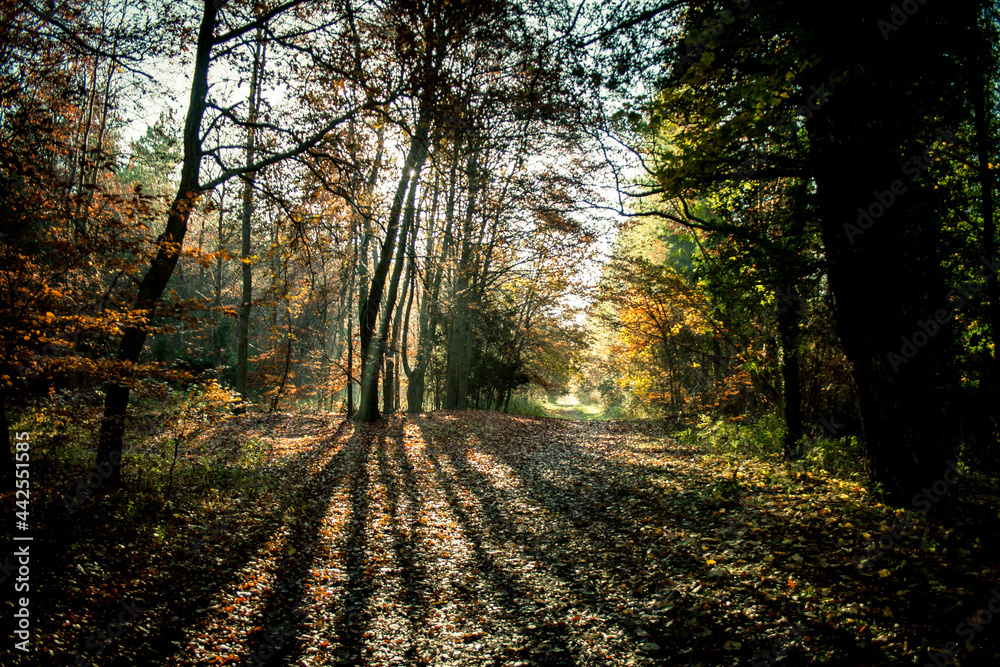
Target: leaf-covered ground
[{"x": 485, "y": 539}]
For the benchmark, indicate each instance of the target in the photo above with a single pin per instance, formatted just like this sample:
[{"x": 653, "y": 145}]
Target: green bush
[
  {"x": 761, "y": 439},
  {"x": 526, "y": 407},
  {"x": 843, "y": 458},
  {"x": 764, "y": 439}
]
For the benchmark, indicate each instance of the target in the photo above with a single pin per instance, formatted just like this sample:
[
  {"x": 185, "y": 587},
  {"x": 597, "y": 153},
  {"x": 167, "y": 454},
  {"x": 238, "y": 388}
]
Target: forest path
[
  {"x": 478, "y": 538},
  {"x": 569, "y": 406}
]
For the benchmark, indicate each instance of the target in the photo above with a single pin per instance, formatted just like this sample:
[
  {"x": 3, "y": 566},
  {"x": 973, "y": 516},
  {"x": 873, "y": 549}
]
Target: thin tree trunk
[
  {"x": 428, "y": 318},
  {"x": 217, "y": 280},
  {"x": 324, "y": 391},
  {"x": 987, "y": 186},
  {"x": 364, "y": 279},
  {"x": 788, "y": 341},
  {"x": 372, "y": 350},
  {"x": 168, "y": 250},
  {"x": 350, "y": 334},
  {"x": 459, "y": 348},
  {"x": 288, "y": 362},
  {"x": 246, "y": 218},
  {"x": 404, "y": 351},
  {"x": 390, "y": 393}
]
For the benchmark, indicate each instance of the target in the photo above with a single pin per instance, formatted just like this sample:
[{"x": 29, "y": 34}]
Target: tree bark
[
  {"x": 289, "y": 338},
  {"x": 791, "y": 395},
  {"x": 246, "y": 218},
  {"x": 459, "y": 343},
  {"x": 372, "y": 350},
  {"x": 887, "y": 280},
  {"x": 390, "y": 398},
  {"x": 350, "y": 336},
  {"x": 417, "y": 380},
  {"x": 985, "y": 149},
  {"x": 364, "y": 279},
  {"x": 168, "y": 246},
  {"x": 217, "y": 285}
]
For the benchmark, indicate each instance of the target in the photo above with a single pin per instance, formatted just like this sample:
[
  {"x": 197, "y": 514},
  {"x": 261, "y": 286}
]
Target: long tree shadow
[
  {"x": 554, "y": 497},
  {"x": 167, "y": 584},
  {"x": 809, "y": 531},
  {"x": 807, "y": 527},
  {"x": 509, "y": 586},
  {"x": 88, "y": 547},
  {"x": 205, "y": 565},
  {"x": 289, "y": 603},
  {"x": 402, "y": 488},
  {"x": 562, "y": 544}
]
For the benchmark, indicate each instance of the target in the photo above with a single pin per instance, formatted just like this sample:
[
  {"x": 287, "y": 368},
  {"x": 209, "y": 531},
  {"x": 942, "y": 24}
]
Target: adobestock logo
[
  {"x": 957, "y": 299},
  {"x": 967, "y": 631},
  {"x": 898, "y": 17},
  {"x": 884, "y": 199}
]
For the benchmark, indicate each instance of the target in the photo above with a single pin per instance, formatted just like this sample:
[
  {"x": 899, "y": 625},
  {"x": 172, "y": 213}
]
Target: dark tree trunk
[
  {"x": 788, "y": 341},
  {"x": 459, "y": 337},
  {"x": 350, "y": 340},
  {"x": 217, "y": 285},
  {"x": 417, "y": 380},
  {"x": 390, "y": 386},
  {"x": 886, "y": 280},
  {"x": 372, "y": 350},
  {"x": 985, "y": 148},
  {"x": 168, "y": 250},
  {"x": 246, "y": 219}
]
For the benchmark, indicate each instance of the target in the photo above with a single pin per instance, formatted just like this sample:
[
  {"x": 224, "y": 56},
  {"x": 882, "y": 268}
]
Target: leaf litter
[{"x": 474, "y": 538}]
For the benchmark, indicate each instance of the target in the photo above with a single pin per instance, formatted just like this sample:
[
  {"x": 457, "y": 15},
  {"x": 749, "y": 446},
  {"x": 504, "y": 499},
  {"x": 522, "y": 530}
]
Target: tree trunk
[
  {"x": 417, "y": 380},
  {"x": 168, "y": 246},
  {"x": 459, "y": 342},
  {"x": 404, "y": 351},
  {"x": 246, "y": 218},
  {"x": 887, "y": 281},
  {"x": 986, "y": 149},
  {"x": 372, "y": 350},
  {"x": 389, "y": 394},
  {"x": 287, "y": 364},
  {"x": 350, "y": 337},
  {"x": 323, "y": 391},
  {"x": 387, "y": 384},
  {"x": 217, "y": 285},
  {"x": 364, "y": 279},
  {"x": 788, "y": 342}
]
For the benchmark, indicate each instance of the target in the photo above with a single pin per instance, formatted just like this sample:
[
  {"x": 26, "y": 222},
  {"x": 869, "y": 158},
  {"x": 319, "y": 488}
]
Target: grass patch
[
  {"x": 568, "y": 407},
  {"x": 763, "y": 440},
  {"x": 525, "y": 406},
  {"x": 562, "y": 407}
]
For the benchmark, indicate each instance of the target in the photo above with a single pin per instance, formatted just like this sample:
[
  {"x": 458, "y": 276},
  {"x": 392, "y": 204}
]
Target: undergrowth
[
  {"x": 763, "y": 440},
  {"x": 525, "y": 406},
  {"x": 177, "y": 452}
]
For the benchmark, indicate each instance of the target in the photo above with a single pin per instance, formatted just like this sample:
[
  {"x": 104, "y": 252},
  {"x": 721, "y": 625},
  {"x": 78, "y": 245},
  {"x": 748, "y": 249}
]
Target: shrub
[
  {"x": 526, "y": 407},
  {"x": 764, "y": 439},
  {"x": 842, "y": 458}
]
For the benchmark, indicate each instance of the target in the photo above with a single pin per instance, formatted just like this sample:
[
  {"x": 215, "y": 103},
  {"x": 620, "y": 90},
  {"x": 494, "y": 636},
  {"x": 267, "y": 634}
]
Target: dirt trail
[{"x": 570, "y": 407}]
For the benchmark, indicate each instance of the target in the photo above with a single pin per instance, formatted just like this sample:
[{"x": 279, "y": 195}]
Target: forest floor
[{"x": 485, "y": 539}]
